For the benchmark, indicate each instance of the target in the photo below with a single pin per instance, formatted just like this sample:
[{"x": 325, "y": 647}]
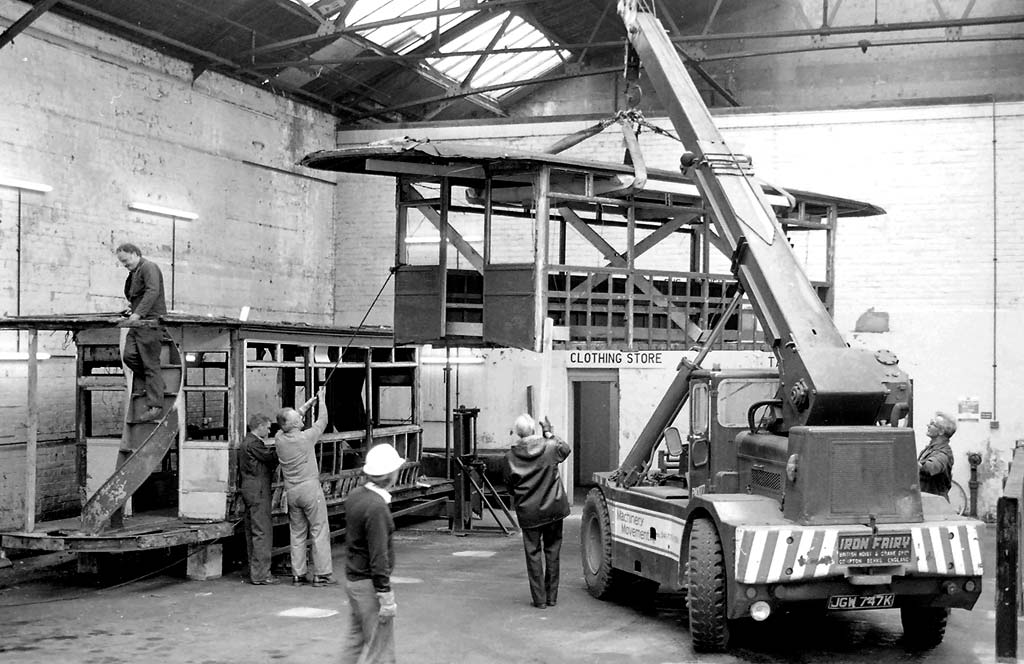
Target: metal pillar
[
  {"x": 464, "y": 450},
  {"x": 974, "y": 459}
]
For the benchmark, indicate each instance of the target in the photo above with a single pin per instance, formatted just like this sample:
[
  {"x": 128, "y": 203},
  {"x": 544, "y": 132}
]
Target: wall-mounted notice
[
  {"x": 619, "y": 359},
  {"x": 968, "y": 408}
]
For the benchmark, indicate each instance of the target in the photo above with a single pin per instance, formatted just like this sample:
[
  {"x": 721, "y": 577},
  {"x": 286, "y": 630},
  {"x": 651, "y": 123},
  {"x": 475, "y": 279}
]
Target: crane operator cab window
[
  {"x": 736, "y": 396},
  {"x": 700, "y": 420}
]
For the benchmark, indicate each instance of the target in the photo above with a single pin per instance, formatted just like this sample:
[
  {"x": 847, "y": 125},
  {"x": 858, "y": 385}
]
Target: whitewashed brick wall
[{"x": 105, "y": 123}]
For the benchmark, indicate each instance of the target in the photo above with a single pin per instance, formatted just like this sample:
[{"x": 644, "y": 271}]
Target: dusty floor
[{"x": 462, "y": 600}]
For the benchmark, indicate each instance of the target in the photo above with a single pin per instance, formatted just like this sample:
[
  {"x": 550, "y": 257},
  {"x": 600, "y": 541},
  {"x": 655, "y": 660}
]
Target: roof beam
[
  {"x": 487, "y": 88},
  {"x": 427, "y": 49},
  {"x": 204, "y": 55},
  {"x": 38, "y": 9},
  {"x": 417, "y": 55},
  {"x": 485, "y": 6},
  {"x": 490, "y": 49},
  {"x": 301, "y": 9},
  {"x": 593, "y": 33},
  {"x": 437, "y": 78},
  {"x": 853, "y": 30},
  {"x": 708, "y": 78}
]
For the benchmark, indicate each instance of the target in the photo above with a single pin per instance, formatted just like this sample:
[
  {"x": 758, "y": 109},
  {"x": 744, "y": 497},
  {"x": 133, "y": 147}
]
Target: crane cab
[{"x": 719, "y": 405}]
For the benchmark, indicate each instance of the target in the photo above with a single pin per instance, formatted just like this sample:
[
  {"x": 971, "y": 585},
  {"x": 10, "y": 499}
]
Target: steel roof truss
[{"x": 37, "y": 10}]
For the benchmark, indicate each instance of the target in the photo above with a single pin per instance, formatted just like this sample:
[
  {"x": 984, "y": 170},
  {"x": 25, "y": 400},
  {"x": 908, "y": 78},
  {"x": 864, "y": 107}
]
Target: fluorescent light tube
[
  {"x": 10, "y": 355},
  {"x": 15, "y": 183},
  {"x": 453, "y": 360},
  {"x": 159, "y": 209}
]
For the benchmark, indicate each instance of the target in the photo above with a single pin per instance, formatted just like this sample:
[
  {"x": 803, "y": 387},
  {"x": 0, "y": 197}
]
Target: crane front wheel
[
  {"x": 706, "y": 590},
  {"x": 603, "y": 581}
]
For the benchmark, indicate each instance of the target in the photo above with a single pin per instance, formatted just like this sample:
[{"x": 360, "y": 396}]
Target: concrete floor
[{"x": 461, "y": 600}]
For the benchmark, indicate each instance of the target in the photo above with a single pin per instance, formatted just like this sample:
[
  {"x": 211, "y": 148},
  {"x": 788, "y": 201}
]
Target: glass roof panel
[
  {"x": 406, "y": 36},
  {"x": 502, "y": 67},
  {"x": 496, "y": 69}
]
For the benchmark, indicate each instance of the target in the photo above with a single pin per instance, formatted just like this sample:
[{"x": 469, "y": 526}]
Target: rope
[{"x": 352, "y": 338}]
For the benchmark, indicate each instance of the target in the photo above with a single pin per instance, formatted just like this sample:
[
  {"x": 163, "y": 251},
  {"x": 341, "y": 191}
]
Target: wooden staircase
[{"x": 143, "y": 445}]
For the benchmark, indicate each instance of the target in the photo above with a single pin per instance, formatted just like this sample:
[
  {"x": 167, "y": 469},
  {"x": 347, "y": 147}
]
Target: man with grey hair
[
  {"x": 531, "y": 473},
  {"x": 935, "y": 463},
  {"x": 307, "y": 507}
]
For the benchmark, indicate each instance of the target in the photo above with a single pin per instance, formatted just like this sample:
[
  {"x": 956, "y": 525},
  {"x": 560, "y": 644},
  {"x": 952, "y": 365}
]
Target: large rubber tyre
[
  {"x": 706, "y": 591},
  {"x": 603, "y": 581},
  {"x": 923, "y": 626}
]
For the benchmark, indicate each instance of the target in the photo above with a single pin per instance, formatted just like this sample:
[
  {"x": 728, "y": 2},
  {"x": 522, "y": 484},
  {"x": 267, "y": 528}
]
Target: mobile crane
[{"x": 798, "y": 485}]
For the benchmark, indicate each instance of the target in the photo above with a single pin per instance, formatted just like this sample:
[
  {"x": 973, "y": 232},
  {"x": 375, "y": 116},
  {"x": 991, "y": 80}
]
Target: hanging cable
[{"x": 352, "y": 338}]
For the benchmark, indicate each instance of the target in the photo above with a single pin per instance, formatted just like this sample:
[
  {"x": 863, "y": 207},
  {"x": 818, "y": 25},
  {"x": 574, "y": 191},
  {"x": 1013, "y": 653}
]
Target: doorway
[{"x": 595, "y": 419}]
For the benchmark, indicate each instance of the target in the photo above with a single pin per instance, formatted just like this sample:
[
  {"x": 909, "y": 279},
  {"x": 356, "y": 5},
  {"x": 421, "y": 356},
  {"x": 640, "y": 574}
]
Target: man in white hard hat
[{"x": 370, "y": 558}]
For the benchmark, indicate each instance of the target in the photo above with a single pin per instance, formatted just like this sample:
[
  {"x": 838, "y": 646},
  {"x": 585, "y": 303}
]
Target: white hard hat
[{"x": 381, "y": 460}]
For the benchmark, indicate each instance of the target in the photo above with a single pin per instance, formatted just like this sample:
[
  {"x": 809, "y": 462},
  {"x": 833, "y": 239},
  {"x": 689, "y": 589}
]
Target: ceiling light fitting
[
  {"x": 142, "y": 206},
  {"x": 15, "y": 183}
]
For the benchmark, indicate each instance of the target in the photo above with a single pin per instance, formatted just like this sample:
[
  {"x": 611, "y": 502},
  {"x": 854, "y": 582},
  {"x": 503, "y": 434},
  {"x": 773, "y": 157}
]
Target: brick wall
[
  {"x": 56, "y": 481},
  {"x": 106, "y": 123}
]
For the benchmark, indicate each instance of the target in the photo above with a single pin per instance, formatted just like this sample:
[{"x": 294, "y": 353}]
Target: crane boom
[{"x": 823, "y": 380}]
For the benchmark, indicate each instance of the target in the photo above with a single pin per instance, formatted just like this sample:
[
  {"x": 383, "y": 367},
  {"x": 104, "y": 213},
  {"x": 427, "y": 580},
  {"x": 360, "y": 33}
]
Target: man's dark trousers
[
  {"x": 142, "y": 356},
  {"x": 543, "y": 540},
  {"x": 259, "y": 530}
]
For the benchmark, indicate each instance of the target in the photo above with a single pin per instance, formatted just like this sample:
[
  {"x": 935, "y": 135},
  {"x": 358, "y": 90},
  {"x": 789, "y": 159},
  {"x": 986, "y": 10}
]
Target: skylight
[{"x": 496, "y": 69}]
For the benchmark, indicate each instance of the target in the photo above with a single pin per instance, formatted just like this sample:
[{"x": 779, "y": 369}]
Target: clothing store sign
[{"x": 619, "y": 359}]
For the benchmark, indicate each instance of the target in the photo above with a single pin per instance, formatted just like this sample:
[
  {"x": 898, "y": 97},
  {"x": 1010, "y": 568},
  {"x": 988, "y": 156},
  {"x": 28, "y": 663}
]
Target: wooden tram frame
[{"x": 204, "y": 460}]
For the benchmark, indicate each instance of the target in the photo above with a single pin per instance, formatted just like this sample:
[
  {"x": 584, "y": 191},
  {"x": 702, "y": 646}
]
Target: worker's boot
[
  {"x": 319, "y": 581},
  {"x": 151, "y": 414}
]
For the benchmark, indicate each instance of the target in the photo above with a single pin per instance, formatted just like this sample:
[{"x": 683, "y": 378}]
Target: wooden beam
[
  {"x": 463, "y": 247},
  {"x": 38, "y": 9},
  {"x": 642, "y": 246},
  {"x": 540, "y": 263},
  {"x": 643, "y": 283},
  {"x": 31, "y": 431}
]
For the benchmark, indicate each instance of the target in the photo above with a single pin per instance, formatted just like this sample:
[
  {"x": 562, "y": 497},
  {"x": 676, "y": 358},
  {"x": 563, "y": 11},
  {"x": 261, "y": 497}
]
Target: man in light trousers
[{"x": 307, "y": 507}]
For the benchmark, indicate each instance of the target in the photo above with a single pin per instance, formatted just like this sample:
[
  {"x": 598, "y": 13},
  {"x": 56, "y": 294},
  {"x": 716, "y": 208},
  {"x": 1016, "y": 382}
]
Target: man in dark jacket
[
  {"x": 531, "y": 473},
  {"x": 256, "y": 465},
  {"x": 144, "y": 290},
  {"x": 935, "y": 463},
  {"x": 370, "y": 558}
]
